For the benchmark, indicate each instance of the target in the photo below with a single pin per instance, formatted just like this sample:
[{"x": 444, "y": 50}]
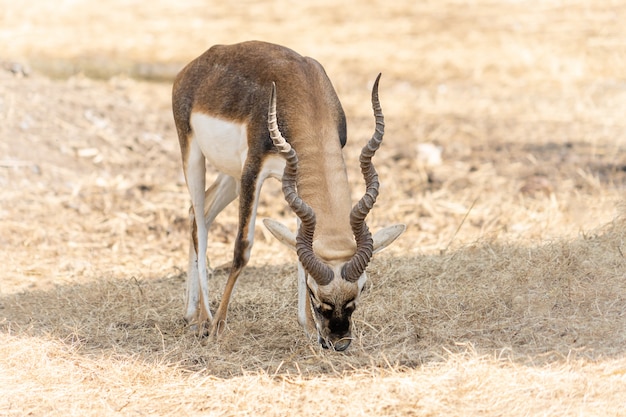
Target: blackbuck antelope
[{"x": 220, "y": 104}]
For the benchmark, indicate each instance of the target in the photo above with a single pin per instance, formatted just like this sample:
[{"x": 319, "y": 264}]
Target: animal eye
[
  {"x": 326, "y": 310},
  {"x": 349, "y": 307}
]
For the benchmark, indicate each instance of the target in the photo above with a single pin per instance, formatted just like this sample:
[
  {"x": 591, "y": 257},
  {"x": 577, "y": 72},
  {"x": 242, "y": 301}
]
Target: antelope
[{"x": 219, "y": 108}]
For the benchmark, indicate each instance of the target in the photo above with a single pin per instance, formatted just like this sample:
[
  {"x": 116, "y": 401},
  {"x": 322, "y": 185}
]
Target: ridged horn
[
  {"x": 354, "y": 268},
  {"x": 304, "y": 240}
]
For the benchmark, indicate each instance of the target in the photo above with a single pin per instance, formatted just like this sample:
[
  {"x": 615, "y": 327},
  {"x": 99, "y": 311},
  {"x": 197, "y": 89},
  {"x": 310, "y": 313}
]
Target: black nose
[
  {"x": 339, "y": 345},
  {"x": 342, "y": 344}
]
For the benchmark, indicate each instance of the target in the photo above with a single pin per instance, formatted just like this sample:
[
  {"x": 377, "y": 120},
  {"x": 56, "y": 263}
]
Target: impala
[{"x": 220, "y": 104}]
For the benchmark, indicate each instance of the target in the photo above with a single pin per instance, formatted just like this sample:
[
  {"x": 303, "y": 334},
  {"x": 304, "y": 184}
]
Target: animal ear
[
  {"x": 384, "y": 237},
  {"x": 281, "y": 232}
]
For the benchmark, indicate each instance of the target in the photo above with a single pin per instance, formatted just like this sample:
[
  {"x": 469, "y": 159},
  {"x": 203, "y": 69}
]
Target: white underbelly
[
  {"x": 274, "y": 166},
  {"x": 223, "y": 143}
]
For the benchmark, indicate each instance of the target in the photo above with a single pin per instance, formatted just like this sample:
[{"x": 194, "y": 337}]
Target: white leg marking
[
  {"x": 221, "y": 193},
  {"x": 303, "y": 292},
  {"x": 195, "y": 173},
  {"x": 193, "y": 280},
  {"x": 302, "y": 295},
  {"x": 224, "y": 145}
]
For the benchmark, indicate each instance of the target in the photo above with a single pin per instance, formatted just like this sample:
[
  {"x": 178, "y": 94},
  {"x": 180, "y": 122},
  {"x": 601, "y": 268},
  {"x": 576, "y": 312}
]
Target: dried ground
[{"x": 506, "y": 295}]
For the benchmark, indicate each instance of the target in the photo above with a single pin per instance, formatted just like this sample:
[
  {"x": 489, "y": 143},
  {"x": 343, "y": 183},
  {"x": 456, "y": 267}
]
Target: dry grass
[{"x": 506, "y": 295}]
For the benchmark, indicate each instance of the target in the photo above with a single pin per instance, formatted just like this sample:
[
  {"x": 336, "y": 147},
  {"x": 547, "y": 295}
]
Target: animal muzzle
[{"x": 339, "y": 344}]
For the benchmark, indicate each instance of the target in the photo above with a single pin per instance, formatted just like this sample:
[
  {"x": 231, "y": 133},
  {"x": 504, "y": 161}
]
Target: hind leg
[{"x": 210, "y": 202}]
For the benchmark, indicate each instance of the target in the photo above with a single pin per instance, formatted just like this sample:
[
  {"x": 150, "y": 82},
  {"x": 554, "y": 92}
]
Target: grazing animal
[{"x": 220, "y": 105}]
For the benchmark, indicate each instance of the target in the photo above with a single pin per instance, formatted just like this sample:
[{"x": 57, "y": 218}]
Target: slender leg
[
  {"x": 192, "y": 298},
  {"x": 304, "y": 308},
  {"x": 221, "y": 193},
  {"x": 305, "y": 315},
  {"x": 195, "y": 175},
  {"x": 251, "y": 183}
]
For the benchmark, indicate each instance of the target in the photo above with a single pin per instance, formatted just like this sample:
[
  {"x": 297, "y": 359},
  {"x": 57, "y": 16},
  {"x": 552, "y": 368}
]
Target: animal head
[{"x": 331, "y": 302}]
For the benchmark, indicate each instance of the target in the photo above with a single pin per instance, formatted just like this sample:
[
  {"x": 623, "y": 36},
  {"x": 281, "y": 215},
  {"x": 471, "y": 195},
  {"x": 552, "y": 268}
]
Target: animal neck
[{"x": 323, "y": 184}]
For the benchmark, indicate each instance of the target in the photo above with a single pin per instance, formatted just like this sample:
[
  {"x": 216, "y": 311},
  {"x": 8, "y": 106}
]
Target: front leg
[
  {"x": 242, "y": 247},
  {"x": 251, "y": 183},
  {"x": 305, "y": 315}
]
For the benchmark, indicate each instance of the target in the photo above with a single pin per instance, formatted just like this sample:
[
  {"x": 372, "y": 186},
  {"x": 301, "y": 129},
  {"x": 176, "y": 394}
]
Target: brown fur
[{"x": 233, "y": 82}]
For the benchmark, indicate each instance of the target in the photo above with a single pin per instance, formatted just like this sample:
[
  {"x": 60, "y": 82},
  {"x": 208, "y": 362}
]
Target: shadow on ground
[{"x": 533, "y": 304}]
